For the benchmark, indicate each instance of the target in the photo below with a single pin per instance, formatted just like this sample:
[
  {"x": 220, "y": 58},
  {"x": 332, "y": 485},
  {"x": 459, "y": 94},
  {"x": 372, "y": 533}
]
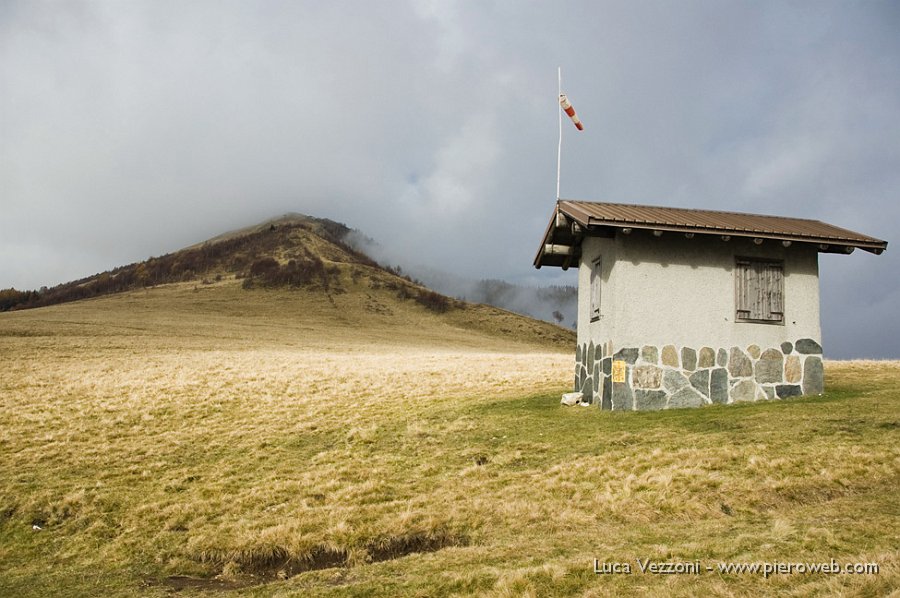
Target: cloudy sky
[{"x": 130, "y": 129}]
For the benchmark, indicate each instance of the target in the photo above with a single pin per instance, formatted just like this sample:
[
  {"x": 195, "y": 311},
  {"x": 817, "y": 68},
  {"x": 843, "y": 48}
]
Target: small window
[
  {"x": 759, "y": 291},
  {"x": 595, "y": 290}
]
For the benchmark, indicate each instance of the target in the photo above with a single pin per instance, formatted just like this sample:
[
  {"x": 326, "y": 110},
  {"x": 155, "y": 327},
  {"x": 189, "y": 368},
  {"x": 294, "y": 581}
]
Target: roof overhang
[{"x": 573, "y": 220}]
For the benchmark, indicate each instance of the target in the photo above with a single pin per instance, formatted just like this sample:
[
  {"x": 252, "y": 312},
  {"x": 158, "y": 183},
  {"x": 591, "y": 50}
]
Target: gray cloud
[{"x": 129, "y": 129}]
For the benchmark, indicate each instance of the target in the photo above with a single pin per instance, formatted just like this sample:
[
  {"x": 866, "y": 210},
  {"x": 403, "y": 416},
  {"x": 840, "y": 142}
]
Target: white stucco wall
[{"x": 679, "y": 291}]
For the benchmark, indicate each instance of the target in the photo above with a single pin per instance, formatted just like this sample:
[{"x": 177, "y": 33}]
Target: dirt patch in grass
[
  {"x": 177, "y": 583},
  {"x": 252, "y": 570},
  {"x": 284, "y": 565}
]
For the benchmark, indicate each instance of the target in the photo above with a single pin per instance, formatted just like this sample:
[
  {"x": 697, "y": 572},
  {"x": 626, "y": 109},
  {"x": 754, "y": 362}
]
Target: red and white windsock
[{"x": 567, "y": 108}]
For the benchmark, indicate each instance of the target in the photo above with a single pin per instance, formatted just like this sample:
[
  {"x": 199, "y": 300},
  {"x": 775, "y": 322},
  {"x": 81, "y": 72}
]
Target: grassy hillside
[{"x": 198, "y": 437}]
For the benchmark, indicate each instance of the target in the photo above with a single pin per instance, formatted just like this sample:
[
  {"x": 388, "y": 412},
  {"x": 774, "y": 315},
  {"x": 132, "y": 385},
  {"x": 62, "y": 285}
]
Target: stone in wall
[
  {"x": 629, "y": 355},
  {"x": 753, "y": 351},
  {"x": 580, "y": 375},
  {"x": 647, "y": 376},
  {"x": 722, "y": 358},
  {"x": 589, "y": 356},
  {"x": 622, "y": 397},
  {"x": 769, "y": 368},
  {"x": 770, "y": 392},
  {"x": 808, "y": 346},
  {"x": 787, "y": 348},
  {"x": 670, "y": 356},
  {"x": 688, "y": 359},
  {"x": 578, "y": 353},
  {"x": 607, "y": 366},
  {"x": 792, "y": 371},
  {"x": 788, "y": 390},
  {"x": 707, "y": 358},
  {"x": 587, "y": 389},
  {"x": 700, "y": 381},
  {"x": 674, "y": 380},
  {"x": 650, "y": 354},
  {"x": 607, "y": 392},
  {"x": 743, "y": 391},
  {"x": 718, "y": 385},
  {"x": 649, "y": 400},
  {"x": 739, "y": 365},
  {"x": 813, "y": 376},
  {"x": 686, "y": 397}
]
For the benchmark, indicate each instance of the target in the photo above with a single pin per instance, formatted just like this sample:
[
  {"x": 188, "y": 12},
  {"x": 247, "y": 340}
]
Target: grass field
[{"x": 274, "y": 443}]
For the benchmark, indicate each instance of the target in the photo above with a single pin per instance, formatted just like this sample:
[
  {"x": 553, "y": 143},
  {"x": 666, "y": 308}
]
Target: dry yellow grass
[{"x": 250, "y": 436}]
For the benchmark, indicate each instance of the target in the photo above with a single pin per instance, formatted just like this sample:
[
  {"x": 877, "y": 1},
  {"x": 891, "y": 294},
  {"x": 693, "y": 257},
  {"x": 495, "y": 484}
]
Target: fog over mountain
[{"x": 553, "y": 303}]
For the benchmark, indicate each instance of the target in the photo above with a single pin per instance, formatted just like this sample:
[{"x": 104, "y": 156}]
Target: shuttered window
[
  {"x": 759, "y": 291},
  {"x": 595, "y": 290}
]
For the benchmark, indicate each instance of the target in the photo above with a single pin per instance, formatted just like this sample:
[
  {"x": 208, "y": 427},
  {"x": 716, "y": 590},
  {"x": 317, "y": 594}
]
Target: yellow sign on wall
[{"x": 618, "y": 371}]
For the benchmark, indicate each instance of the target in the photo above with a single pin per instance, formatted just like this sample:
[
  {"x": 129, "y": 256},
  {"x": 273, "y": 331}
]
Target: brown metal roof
[{"x": 595, "y": 217}]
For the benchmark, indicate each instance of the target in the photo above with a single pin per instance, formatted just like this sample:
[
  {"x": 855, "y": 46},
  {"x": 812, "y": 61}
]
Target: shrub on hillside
[
  {"x": 433, "y": 301},
  {"x": 264, "y": 267},
  {"x": 310, "y": 271}
]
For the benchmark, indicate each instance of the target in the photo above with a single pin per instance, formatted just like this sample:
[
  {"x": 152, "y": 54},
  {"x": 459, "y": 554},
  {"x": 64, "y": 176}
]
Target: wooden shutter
[
  {"x": 743, "y": 276},
  {"x": 774, "y": 274},
  {"x": 759, "y": 290}
]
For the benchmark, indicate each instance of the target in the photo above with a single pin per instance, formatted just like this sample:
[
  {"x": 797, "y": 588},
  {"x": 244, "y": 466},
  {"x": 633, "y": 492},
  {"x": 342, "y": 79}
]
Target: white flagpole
[{"x": 559, "y": 149}]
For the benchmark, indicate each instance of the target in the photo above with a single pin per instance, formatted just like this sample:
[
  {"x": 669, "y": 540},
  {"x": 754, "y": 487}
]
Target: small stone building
[{"x": 681, "y": 308}]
